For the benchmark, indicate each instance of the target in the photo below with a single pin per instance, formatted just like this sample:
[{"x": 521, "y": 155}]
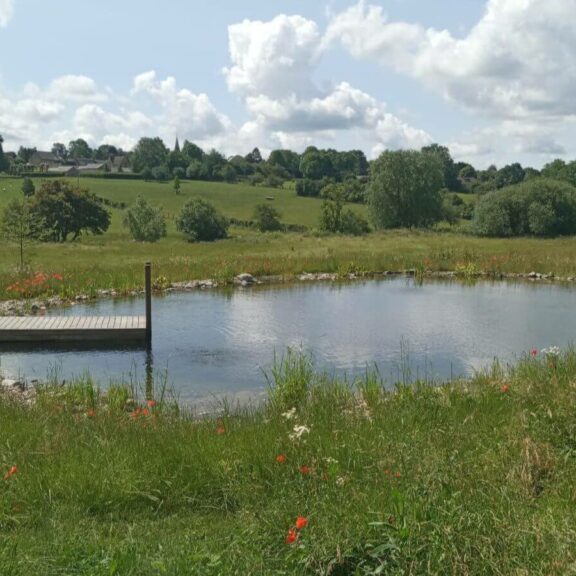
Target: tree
[
  {"x": 509, "y": 175},
  {"x": 145, "y": 223},
  {"x": 539, "y": 207},
  {"x": 18, "y": 225},
  {"x": 24, "y": 154},
  {"x": 286, "y": 159},
  {"x": 79, "y": 149},
  {"x": 59, "y": 150},
  {"x": 449, "y": 169},
  {"x": 404, "y": 189},
  {"x": 336, "y": 220},
  {"x": 149, "y": 153},
  {"x": 106, "y": 152},
  {"x": 254, "y": 157},
  {"x": 176, "y": 185},
  {"x": 192, "y": 152},
  {"x": 64, "y": 209},
  {"x": 4, "y": 162},
  {"x": 315, "y": 164},
  {"x": 201, "y": 222},
  {"x": 267, "y": 218},
  {"x": 28, "y": 188}
]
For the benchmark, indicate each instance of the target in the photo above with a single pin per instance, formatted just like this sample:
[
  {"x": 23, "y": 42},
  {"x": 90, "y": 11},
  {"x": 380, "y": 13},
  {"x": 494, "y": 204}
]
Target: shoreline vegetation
[{"x": 473, "y": 477}]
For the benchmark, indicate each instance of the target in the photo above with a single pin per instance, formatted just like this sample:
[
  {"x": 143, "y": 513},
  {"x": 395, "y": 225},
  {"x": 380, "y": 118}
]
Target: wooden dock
[
  {"x": 72, "y": 328},
  {"x": 81, "y": 329}
]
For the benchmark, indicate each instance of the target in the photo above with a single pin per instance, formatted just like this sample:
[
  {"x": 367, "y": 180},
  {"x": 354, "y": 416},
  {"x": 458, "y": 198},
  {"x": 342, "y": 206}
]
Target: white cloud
[
  {"x": 517, "y": 62},
  {"x": 273, "y": 58},
  {"x": 185, "y": 113},
  {"x": 6, "y": 11},
  {"x": 75, "y": 89},
  {"x": 272, "y": 69}
]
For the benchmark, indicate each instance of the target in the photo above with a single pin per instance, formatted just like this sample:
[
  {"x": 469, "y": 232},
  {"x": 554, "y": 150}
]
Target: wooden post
[{"x": 148, "y": 289}]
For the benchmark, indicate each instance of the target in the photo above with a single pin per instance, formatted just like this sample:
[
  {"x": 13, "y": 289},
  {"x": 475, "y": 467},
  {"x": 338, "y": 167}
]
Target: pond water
[{"x": 212, "y": 343}]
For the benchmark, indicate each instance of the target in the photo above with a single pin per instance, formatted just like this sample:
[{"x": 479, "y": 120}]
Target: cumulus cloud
[
  {"x": 516, "y": 62},
  {"x": 75, "y": 89},
  {"x": 6, "y": 11},
  {"x": 272, "y": 70},
  {"x": 184, "y": 112}
]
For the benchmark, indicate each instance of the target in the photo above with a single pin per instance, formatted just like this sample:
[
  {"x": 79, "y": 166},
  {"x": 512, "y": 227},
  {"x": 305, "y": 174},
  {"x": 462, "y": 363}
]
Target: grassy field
[
  {"x": 113, "y": 260},
  {"x": 472, "y": 478}
]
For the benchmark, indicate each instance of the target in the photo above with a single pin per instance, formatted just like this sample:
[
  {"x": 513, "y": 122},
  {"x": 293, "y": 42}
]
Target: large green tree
[
  {"x": 404, "y": 189},
  {"x": 449, "y": 169},
  {"x": 64, "y": 210},
  {"x": 149, "y": 153},
  {"x": 79, "y": 149}
]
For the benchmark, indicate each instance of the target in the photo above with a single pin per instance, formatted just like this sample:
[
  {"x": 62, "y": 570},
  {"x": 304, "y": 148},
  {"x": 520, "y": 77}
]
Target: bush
[
  {"x": 161, "y": 173},
  {"x": 201, "y": 222},
  {"x": 145, "y": 223},
  {"x": 28, "y": 188},
  {"x": 267, "y": 218},
  {"x": 538, "y": 207},
  {"x": 354, "y": 224}
]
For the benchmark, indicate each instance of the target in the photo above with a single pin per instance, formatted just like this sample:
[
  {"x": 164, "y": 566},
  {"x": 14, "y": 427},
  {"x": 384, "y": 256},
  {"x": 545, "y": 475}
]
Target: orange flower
[
  {"x": 386, "y": 471},
  {"x": 151, "y": 403},
  {"x": 292, "y": 536},
  {"x": 281, "y": 459},
  {"x": 505, "y": 388},
  {"x": 304, "y": 470},
  {"x": 221, "y": 430},
  {"x": 58, "y": 277},
  {"x": 145, "y": 412},
  {"x": 91, "y": 413},
  {"x": 10, "y": 472},
  {"x": 397, "y": 475},
  {"x": 136, "y": 413},
  {"x": 301, "y": 522}
]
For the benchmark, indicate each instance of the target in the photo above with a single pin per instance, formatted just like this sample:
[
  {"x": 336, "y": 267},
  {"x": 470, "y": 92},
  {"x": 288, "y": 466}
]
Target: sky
[{"x": 494, "y": 80}]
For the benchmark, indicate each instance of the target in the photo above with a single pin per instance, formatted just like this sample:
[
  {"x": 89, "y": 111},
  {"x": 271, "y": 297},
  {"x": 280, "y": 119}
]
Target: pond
[{"x": 221, "y": 342}]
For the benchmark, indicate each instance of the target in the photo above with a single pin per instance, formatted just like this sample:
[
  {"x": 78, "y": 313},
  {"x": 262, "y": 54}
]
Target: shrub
[
  {"x": 145, "y": 223},
  {"x": 354, "y": 224},
  {"x": 201, "y": 222},
  {"x": 161, "y": 173},
  {"x": 28, "y": 188},
  {"x": 267, "y": 218},
  {"x": 538, "y": 207}
]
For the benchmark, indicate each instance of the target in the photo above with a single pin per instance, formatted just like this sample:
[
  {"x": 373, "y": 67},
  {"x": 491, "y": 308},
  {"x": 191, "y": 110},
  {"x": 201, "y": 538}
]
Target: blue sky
[{"x": 492, "y": 79}]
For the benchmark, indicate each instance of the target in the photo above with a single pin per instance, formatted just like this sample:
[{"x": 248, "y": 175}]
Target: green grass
[
  {"x": 113, "y": 260},
  {"x": 473, "y": 478}
]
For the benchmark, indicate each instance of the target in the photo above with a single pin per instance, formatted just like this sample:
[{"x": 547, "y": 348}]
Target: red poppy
[
  {"x": 305, "y": 470},
  {"x": 58, "y": 277},
  {"x": 91, "y": 413},
  {"x": 151, "y": 403},
  {"x": 397, "y": 475},
  {"x": 301, "y": 522},
  {"x": 221, "y": 430},
  {"x": 292, "y": 536},
  {"x": 505, "y": 388},
  {"x": 281, "y": 459},
  {"x": 10, "y": 472},
  {"x": 145, "y": 412},
  {"x": 533, "y": 352}
]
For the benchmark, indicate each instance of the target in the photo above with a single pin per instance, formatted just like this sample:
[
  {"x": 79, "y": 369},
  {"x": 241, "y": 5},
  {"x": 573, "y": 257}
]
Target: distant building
[{"x": 44, "y": 159}]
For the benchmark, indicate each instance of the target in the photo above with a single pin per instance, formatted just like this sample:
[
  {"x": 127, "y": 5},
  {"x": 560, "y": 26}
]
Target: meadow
[
  {"x": 474, "y": 477},
  {"x": 114, "y": 260}
]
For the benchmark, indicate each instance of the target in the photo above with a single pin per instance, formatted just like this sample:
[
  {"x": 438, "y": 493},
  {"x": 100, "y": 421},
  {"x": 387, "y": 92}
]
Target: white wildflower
[
  {"x": 330, "y": 460},
  {"x": 340, "y": 481},
  {"x": 290, "y": 414},
  {"x": 298, "y": 432},
  {"x": 552, "y": 351}
]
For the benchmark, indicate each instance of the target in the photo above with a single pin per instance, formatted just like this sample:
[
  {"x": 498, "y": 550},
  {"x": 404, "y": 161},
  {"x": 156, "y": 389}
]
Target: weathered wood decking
[{"x": 72, "y": 328}]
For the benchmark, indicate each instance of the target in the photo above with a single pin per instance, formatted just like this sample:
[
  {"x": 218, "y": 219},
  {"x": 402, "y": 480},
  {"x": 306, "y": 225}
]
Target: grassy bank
[
  {"x": 473, "y": 478},
  {"x": 113, "y": 260}
]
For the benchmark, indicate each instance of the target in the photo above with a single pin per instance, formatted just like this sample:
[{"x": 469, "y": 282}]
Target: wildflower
[
  {"x": 10, "y": 472},
  {"x": 397, "y": 475},
  {"x": 553, "y": 351},
  {"x": 298, "y": 432},
  {"x": 386, "y": 471},
  {"x": 151, "y": 403},
  {"x": 505, "y": 389},
  {"x": 290, "y": 414},
  {"x": 330, "y": 460},
  {"x": 340, "y": 481},
  {"x": 292, "y": 536},
  {"x": 533, "y": 352},
  {"x": 58, "y": 277},
  {"x": 221, "y": 430},
  {"x": 305, "y": 470},
  {"x": 301, "y": 522},
  {"x": 91, "y": 413},
  {"x": 145, "y": 412},
  {"x": 136, "y": 413},
  {"x": 281, "y": 459}
]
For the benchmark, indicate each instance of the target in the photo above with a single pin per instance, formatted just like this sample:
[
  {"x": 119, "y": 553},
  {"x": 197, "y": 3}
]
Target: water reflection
[{"x": 219, "y": 342}]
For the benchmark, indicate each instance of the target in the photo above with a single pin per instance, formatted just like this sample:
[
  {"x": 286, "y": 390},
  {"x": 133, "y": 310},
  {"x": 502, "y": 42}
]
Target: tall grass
[{"x": 475, "y": 477}]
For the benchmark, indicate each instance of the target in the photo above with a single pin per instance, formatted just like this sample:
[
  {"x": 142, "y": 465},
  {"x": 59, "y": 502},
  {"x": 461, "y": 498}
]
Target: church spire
[{"x": 177, "y": 145}]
